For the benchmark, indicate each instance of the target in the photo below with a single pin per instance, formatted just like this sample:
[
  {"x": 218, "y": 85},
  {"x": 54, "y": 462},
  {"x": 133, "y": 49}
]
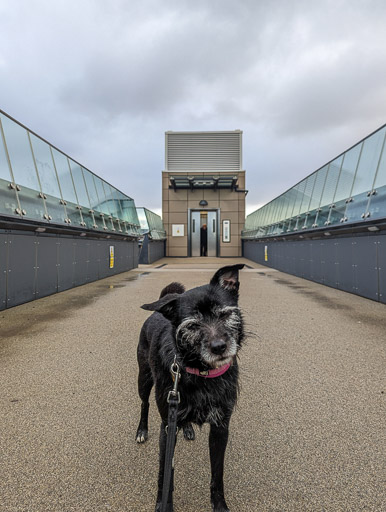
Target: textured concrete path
[{"x": 308, "y": 434}]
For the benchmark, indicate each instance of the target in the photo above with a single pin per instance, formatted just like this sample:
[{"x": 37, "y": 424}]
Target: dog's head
[{"x": 207, "y": 319}]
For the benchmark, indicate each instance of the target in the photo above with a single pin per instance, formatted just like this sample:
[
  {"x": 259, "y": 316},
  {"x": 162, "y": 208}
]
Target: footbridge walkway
[{"x": 308, "y": 433}]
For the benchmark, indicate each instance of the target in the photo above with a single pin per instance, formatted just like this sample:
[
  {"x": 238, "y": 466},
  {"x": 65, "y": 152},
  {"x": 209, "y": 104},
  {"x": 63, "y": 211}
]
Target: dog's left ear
[
  {"x": 228, "y": 278},
  {"x": 167, "y": 306}
]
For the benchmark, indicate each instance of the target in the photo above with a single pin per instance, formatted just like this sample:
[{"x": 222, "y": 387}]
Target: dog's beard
[{"x": 191, "y": 338}]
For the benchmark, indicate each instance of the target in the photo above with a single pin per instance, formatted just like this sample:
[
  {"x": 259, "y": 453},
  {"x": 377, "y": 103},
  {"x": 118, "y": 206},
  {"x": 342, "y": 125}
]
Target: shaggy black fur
[{"x": 203, "y": 329}]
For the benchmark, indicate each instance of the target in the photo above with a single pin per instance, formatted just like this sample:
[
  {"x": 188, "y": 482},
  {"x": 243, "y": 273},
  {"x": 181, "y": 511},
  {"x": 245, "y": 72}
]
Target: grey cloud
[{"x": 104, "y": 81}]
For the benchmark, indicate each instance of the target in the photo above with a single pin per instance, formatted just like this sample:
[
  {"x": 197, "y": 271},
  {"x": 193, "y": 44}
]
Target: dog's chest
[{"x": 207, "y": 403}]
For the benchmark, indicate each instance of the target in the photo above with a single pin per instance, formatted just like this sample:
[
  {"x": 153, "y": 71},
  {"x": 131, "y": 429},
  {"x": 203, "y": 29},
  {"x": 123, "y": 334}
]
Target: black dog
[{"x": 203, "y": 329}]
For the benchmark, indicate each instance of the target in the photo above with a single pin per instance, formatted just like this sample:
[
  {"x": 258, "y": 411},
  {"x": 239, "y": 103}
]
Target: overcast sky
[{"x": 103, "y": 81}]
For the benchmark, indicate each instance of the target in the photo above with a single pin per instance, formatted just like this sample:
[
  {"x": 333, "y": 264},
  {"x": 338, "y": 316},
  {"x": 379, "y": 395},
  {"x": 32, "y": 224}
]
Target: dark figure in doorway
[{"x": 204, "y": 240}]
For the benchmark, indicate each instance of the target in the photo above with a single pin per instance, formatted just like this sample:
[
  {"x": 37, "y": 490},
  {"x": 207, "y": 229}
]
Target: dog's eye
[
  {"x": 225, "y": 313},
  {"x": 194, "y": 325}
]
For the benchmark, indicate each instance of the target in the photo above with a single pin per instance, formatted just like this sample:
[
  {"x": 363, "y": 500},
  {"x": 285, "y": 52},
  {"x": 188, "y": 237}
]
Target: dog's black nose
[{"x": 218, "y": 347}]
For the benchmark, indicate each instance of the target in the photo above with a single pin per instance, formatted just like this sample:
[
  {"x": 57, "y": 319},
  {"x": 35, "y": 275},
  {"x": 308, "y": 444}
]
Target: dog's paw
[
  {"x": 142, "y": 435},
  {"x": 220, "y": 507},
  {"x": 189, "y": 434},
  {"x": 169, "y": 507}
]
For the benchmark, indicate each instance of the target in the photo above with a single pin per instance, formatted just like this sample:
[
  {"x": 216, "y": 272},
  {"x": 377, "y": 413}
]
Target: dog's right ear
[{"x": 167, "y": 306}]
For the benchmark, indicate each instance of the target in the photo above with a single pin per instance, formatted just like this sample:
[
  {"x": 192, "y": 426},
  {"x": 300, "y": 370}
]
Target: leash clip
[{"x": 175, "y": 371}]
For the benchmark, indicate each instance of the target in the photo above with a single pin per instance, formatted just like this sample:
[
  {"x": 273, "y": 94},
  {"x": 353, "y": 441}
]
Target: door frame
[{"x": 217, "y": 210}]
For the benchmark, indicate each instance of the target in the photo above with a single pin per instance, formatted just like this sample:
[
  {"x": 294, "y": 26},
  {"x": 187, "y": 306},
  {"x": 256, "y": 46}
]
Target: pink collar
[{"x": 209, "y": 374}]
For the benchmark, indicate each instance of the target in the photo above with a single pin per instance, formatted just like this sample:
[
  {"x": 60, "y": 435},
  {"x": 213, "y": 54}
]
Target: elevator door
[
  {"x": 212, "y": 233},
  {"x": 195, "y": 233},
  {"x": 198, "y": 219}
]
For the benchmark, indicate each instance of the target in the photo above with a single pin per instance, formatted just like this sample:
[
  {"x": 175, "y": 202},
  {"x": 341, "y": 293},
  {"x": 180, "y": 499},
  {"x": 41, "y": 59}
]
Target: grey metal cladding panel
[
  {"x": 291, "y": 264},
  {"x": 66, "y": 251},
  {"x": 278, "y": 251},
  {"x": 3, "y": 269},
  {"x": 255, "y": 252},
  {"x": 104, "y": 256},
  {"x": 125, "y": 256},
  {"x": 381, "y": 246},
  {"x": 365, "y": 252},
  {"x": 47, "y": 270},
  {"x": 299, "y": 251},
  {"x": 21, "y": 269},
  {"x": 284, "y": 266},
  {"x": 344, "y": 264},
  {"x": 80, "y": 262},
  {"x": 329, "y": 271},
  {"x": 155, "y": 251},
  {"x": 306, "y": 260},
  {"x": 131, "y": 253},
  {"x": 131, "y": 249},
  {"x": 316, "y": 261},
  {"x": 247, "y": 248},
  {"x": 135, "y": 254},
  {"x": 92, "y": 260}
]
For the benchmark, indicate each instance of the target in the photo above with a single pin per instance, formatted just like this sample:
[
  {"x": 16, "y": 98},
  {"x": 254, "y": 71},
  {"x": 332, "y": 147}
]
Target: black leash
[{"x": 171, "y": 431}]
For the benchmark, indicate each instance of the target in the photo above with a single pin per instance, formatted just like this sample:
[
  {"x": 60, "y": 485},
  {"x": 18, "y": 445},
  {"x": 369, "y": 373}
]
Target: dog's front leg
[
  {"x": 162, "y": 450},
  {"x": 218, "y": 439}
]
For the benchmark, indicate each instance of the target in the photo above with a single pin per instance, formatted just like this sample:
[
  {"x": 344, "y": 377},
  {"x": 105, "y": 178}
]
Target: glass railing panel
[
  {"x": 286, "y": 205},
  {"x": 278, "y": 209},
  {"x": 111, "y": 219},
  {"x": 62, "y": 166},
  {"x": 81, "y": 192},
  {"x": 278, "y": 204},
  {"x": 308, "y": 193},
  {"x": 293, "y": 193},
  {"x": 328, "y": 192},
  {"x": 272, "y": 213},
  {"x": 23, "y": 169},
  {"x": 122, "y": 204},
  {"x": 101, "y": 214},
  {"x": 95, "y": 201},
  {"x": 310, "y": 219},
  {"x": 365, "y": 175},
  {"x": 108, "y": 207},
  {"x": 101, "y": 195},
  {"x": 130, "y": 214},
  {"x": 377, "y": 203},
  {"x": 91, "y": 189},
  {"x": 143, "y": 220},
  {"x": 19, "y": 150},
  {"x": 48, "y": 180},
  {"x": 291, "y": 224},
  {"x": 300, "y": 221},
  {"x": 123, "y": 216},
  {"x": 299, "y": 197},
  {"x": 331, "y": 182},
  {"x": 118, "y": 208},
  {"x": 8, "y": 199},
  {"x": 271, "y": 207},
  {"x": 154, "y": 223},
  {"x": 347, "y": 173},
  {"x": 249, "y": 221},
  {"x": 320, "y": 179},
  {"x": 258, "y": 220},
  {"x": 345, "y": 183}
]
